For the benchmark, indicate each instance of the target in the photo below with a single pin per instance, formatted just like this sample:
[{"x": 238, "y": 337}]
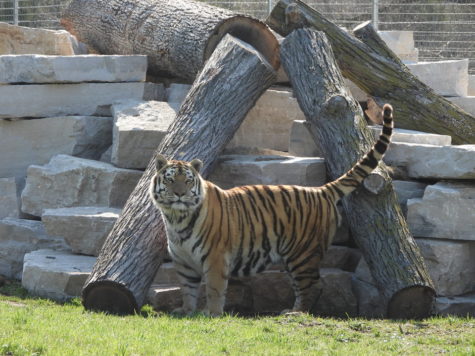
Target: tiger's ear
[
  {"x": 197, "y": 164},
  {"x": 160, "y": 162}
]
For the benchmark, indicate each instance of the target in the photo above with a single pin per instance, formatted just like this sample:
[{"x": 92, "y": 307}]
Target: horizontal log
[{"x": 178, "y": 36}]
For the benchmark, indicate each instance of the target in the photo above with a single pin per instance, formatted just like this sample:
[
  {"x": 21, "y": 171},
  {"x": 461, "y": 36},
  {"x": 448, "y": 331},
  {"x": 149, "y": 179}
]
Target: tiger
[{"x": 214, "y": 234}]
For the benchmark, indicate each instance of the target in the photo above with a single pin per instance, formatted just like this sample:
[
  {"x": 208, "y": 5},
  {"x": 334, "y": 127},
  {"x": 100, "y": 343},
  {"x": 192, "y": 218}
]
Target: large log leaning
[
  {"x": 376, "y": 221},
  {"x": 365, "y": 59},
  {"x": 228, "y": 87},
  {"x": 178, "y": 36}
]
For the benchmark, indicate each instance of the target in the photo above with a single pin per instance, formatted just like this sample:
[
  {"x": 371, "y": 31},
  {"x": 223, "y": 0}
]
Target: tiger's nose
[{"x": 179, "y": 189}]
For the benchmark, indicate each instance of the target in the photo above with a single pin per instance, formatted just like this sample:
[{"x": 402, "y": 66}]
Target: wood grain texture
[
  {"x": 376, "y": 221},
  {"x": 229, "y": 85},
  {"x": 366, "y": 60},
  {"x": 178, "y": 36}
]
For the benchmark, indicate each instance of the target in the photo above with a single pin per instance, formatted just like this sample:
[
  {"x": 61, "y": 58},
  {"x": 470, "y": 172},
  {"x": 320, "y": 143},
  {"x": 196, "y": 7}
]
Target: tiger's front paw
[
  {"x": 291, "y": 312},
  {"x": 182, "y": 311},
  {"x": 213, "y": 314}
]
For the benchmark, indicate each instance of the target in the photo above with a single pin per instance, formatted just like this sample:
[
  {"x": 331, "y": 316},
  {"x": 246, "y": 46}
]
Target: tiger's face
[{"x": 177, "y": 184}]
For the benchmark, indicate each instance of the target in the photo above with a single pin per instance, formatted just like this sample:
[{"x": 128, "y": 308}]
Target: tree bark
[
  {"x": 227, "y": 88},
  {"x": 178, "y": 36},
  {"x": 376, "y": 221},
  {"x": 366, "y": 60}
]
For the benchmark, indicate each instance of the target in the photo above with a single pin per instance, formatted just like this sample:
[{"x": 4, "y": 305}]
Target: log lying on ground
[
  {"x": 376, "y": 221},
  {"x": 178, "y": 36},
  {"x": 228, "y": 87},
  {"x": 369, "y": 63}
]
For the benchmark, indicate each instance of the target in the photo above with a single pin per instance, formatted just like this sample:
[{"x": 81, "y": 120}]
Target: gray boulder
[
  {"x": 83, "y": 228},
  {"x": 139, "y": 127},
  {"x": 18, "y": 237},
  {"x": 446, "y": 210},
  {"x": 55, "y": 275},
  {"x": 236, "y": 170},
  {"x": 9, "y": 202},
  {"x": 68, "y": 181},
  {"x": 27, "y": 142}
]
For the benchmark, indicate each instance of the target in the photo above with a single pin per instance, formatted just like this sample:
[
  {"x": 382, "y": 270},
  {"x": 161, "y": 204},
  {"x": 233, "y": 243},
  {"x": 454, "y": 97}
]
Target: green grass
[{"x": 30, "y": 326}]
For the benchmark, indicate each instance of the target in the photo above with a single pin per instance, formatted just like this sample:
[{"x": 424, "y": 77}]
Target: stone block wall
[{"x": 81, "y": 130}]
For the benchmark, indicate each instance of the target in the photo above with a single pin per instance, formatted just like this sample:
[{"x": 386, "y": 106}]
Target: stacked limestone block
[{"x": 55, "y": 123}]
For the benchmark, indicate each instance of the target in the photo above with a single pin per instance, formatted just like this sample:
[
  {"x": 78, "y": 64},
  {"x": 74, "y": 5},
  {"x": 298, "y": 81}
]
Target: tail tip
[{"x": 387, "y": 110}]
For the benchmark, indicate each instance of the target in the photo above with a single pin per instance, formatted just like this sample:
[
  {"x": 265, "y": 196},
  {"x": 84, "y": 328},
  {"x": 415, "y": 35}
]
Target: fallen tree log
[
  {"x": 366, "y": 60},
  {"x": 375, "y": 218},
  {"x": 227, "y": 88},
  {"x": 178, "y": 36}
]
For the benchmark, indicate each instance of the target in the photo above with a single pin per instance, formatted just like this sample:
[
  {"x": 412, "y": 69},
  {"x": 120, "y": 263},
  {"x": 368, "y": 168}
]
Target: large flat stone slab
[
  {"x": 268, "y": 123},
  {"x": 412, "y": 136},
  {"x": 83, "y": 228},
  {"x": 68, "y": 181},
  {"x": 370, "y": 301},
  {"x": 39, "y": 69},
  {"x": 462, "y": 306},
  {"x": 301, "y": 142},
  {"x": 272, "y": 293},
  {"x": 48, "y": 100},
  {"x": 154, "y": 91},
  {"x": 471, "y": 85},
  {"x": 406, "y": 190},
  {"x": 357, "y": 93},
  {"x": 402, "y": 44},
  {"x": 55, "y": 275},
  {"x": 450, "y": 265},
  {"x": 27, "y": 142},
  {"x": 139, "y": 127},
  {"x": 341, "y": 257},
  {"x": 176, "y": 94},
  {"x": 166, "y": 275},
  {"x": 18, "y": 237},
  {"x": 26, "y": 40},
  {"x": 9, "y": 202},
  {"x": 447, "y": 78},
  {"x": 466, "y": 103},
  {"x": 236, "y": 170},
  {"x": 429, "y": 161},
  {"x": 446, "y": 210}
]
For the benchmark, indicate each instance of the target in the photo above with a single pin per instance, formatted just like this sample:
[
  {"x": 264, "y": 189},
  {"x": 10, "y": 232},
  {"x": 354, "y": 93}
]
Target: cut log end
[
  {"x": 374, "y": 183},
  {"x": 109, "y": 297},
  {"x": 414, "y": 302},
  {"x": 251, "y": 31}
]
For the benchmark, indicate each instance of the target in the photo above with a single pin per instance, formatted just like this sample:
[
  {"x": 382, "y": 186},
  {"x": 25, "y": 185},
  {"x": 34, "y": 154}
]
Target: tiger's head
[{"x": 177, "y": 185}]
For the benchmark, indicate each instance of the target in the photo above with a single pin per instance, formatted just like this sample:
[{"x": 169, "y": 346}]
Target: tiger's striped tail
[{"x": 353, "y": 178}]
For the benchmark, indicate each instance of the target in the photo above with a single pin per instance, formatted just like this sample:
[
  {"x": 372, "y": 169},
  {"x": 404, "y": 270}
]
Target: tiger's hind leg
[
  {"x": 190, "y": 284},
  {"x": 305, "y": 276}
]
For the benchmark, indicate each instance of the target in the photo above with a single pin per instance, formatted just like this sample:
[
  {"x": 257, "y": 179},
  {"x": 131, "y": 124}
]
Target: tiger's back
[{"x": 215, "y": 233}]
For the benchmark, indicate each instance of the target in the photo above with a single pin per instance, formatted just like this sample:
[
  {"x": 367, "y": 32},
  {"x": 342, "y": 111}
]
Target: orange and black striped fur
[{"x": 214, "y": 234}]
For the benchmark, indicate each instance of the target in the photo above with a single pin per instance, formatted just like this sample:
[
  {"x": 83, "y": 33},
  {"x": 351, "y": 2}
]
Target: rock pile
[{"x": 77, "y": 132}]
